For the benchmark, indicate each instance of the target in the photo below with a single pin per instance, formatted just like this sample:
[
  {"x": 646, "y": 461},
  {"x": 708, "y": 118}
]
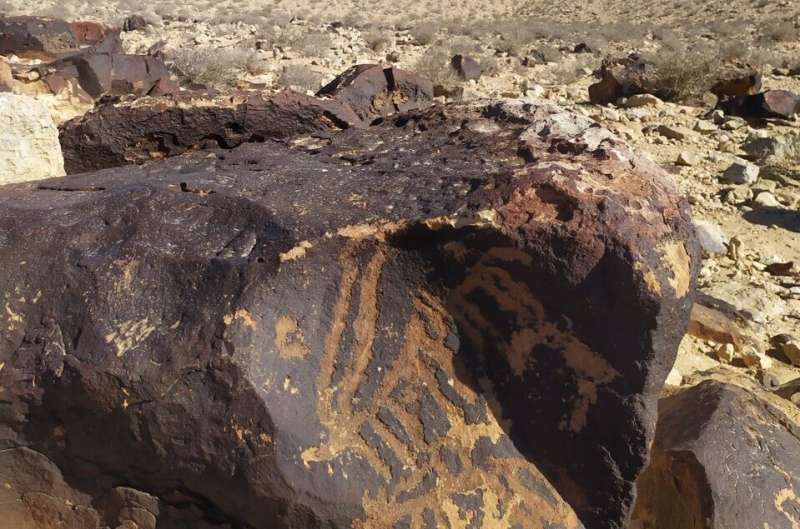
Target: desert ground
[{"x": 749, "y": 231}]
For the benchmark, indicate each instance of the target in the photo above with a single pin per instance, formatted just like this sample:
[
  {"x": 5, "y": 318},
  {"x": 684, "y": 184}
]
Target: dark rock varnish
[
  {"x": 723, "y": 458},
  {"x": 421, "y": 324}
]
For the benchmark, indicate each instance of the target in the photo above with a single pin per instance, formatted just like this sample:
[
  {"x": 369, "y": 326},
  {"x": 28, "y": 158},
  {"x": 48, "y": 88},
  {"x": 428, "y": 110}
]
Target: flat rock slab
[
  {"x": 460, "y": 317},
  {"x": 138, "y": 130},
  {"x": 723, "y": 458}
]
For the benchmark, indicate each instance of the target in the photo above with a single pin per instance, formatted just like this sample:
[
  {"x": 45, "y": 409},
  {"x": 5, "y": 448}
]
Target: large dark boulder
[
  {"x": 48, "y": 37},
  {"x": 421, "y": 324},
  {"x": 723, "y": 458},
  {"x": 138, "y": 130},
  {"x": 770, "y": 104}
]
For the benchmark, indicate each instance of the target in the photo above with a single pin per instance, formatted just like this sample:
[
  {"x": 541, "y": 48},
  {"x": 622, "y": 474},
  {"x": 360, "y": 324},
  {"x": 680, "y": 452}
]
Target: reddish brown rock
[
  {"x": 625, "y": 77},
  {"x": 135, "y": 131},
  {"x": 708, "y": 323},
  {"x": 723, "y": 458},
  {"x": 23, "y": 35},
  {"x": 374, "y": 92},
  {"x": 463, "y": 313}
]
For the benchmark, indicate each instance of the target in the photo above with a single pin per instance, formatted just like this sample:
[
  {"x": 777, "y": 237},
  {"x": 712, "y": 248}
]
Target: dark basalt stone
[
  {"x": 461, "y": 316},
  {"x": 770, "y": 104},
  {"x": 137, "y": 130},
  {"x": 723, "y": 458}
]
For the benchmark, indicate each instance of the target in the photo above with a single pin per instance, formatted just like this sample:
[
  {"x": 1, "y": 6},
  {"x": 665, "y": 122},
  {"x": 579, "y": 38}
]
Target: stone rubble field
[{"x": 404, "y": 266}]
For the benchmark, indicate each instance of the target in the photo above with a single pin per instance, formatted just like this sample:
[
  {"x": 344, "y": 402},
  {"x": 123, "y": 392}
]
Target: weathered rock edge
[{"x": 380, "y": 329}]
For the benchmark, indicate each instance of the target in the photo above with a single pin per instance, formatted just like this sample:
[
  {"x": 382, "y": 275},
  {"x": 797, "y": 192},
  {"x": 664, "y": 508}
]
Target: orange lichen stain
[
  {"x": 289, "y": 339},
  {"x": 679, "y": 262}
]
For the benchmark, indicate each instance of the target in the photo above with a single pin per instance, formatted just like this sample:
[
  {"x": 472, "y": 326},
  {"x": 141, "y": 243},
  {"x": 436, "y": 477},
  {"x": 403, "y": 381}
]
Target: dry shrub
[
  {"x": 784, "y": 31},
  {"x": 378, "y": 40},
  {"x": 683, "y": 74},
  {"x": 314, "y": 44},
  {"x": 215, "y": 67},
  {"x": 424, "y": 33},
  {"x": 434, "y": 64},
  {"x": 300, "y": 76}
]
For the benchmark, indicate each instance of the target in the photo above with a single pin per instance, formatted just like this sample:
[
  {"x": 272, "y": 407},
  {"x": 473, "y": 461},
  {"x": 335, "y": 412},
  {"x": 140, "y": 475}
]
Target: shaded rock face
[
  {"x": 422, "y": 324},
  {"x": 374, "y": 92},
  {"x": 770, "y": 104},
  {"x": 722, "y": 458},
  {"x": 135, "y": 131},
  {"x": 29, "y": 147},
  {"x": 625, "y": 77},
  {"x": 40, "y": 36}
]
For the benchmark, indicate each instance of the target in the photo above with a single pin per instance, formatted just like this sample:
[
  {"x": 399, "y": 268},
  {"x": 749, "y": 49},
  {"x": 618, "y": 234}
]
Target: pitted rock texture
[
  {"x": 135, "y": 131},
  {"x": 454, "y": 318},
  {"x": 29, "y": 146},
  {"x": 722, "y": 458}
]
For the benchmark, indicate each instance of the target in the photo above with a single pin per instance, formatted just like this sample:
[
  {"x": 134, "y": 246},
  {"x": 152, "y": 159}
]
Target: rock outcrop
[
  {"x": 43, "y": 37},
  {"x": 723, "y": 458},
  {"x": 770, "y": 104},
  {"x": 374, "y": 92},
  {"x": 29, "y": 147},
  {"x": 461, "y": 316},
  {"x": 138, "y": 130}
]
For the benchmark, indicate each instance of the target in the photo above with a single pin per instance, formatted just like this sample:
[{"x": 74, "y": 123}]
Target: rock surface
[
  {"x": 29, "y": 147},
  {"x": 135, "y": 131},
  {"x": 420, "y": 324},
  {"x": 722, "y": 459}
]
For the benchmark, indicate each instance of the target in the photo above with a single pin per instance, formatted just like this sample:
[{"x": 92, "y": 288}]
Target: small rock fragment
[
  {"x": 134, "y": 22},
  {"x": 741, "y": 173},
  {"x": 765, "y": 199},
  {"x": 687, "y": 158},
  {"x": 710, "y": 236},
  {"x": 674, "y": 132},
  {"x": 704, "y": 126},
  {"x": 642, "y": 100}
]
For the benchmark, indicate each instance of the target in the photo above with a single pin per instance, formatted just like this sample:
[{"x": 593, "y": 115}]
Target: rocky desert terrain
[{"x": 400, "y": 265}]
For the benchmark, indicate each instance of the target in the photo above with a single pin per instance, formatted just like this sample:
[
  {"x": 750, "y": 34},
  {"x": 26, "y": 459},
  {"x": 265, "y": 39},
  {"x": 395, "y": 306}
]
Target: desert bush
[
  {"x": 434, "y": 64},
  {"x": 515, "y": 37},
  {"x": 300, "y": 76},
  {"x": 314, "y": 44},
  {"x": 683, "y": 75},
  {"x": 215, "y": 67},
  {"x": 424, "y": 33},
  {"x": 780, "y": 31},
  {"x": 377, "y": 40}
]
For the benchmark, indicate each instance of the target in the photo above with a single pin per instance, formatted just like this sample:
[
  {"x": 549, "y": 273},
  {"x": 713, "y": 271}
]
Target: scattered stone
[
  {"x": 726, "y": 353},
  {"x": 705, "y": 127},
  {"x": 29, "y": 148},
  {"x": 733, "y": 123},
  {"x": 345, "y": 318},
  {"x": 710, "y": 236},
  {"x": 781, "y": 268},
  {"x": 789, "y": 346},
  {"x": 687, "y": 158},
  {"x": 754, "y": 358},
  {"x": 374, "y": 92},
  {"x": 582, "y": 47},
  {"x": 466, "y": 67},
  {"x": 737, "y": 195},
  {"x": 136, "y": 131},
  {"x": 770, "y": 104},
  {"x": 134, "y": 23},
  {"x": 642, "y": 100},
  {"x": 771, "y": 149},
  {"x": 741, "y": 173},
  {"x": 723, "y": 458},
  {"x": 738, "y": 86},
  {"x": 765, "y": 199},
  {"x": 708, "y": 323},
  {"x": 674, "y": 132}
]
